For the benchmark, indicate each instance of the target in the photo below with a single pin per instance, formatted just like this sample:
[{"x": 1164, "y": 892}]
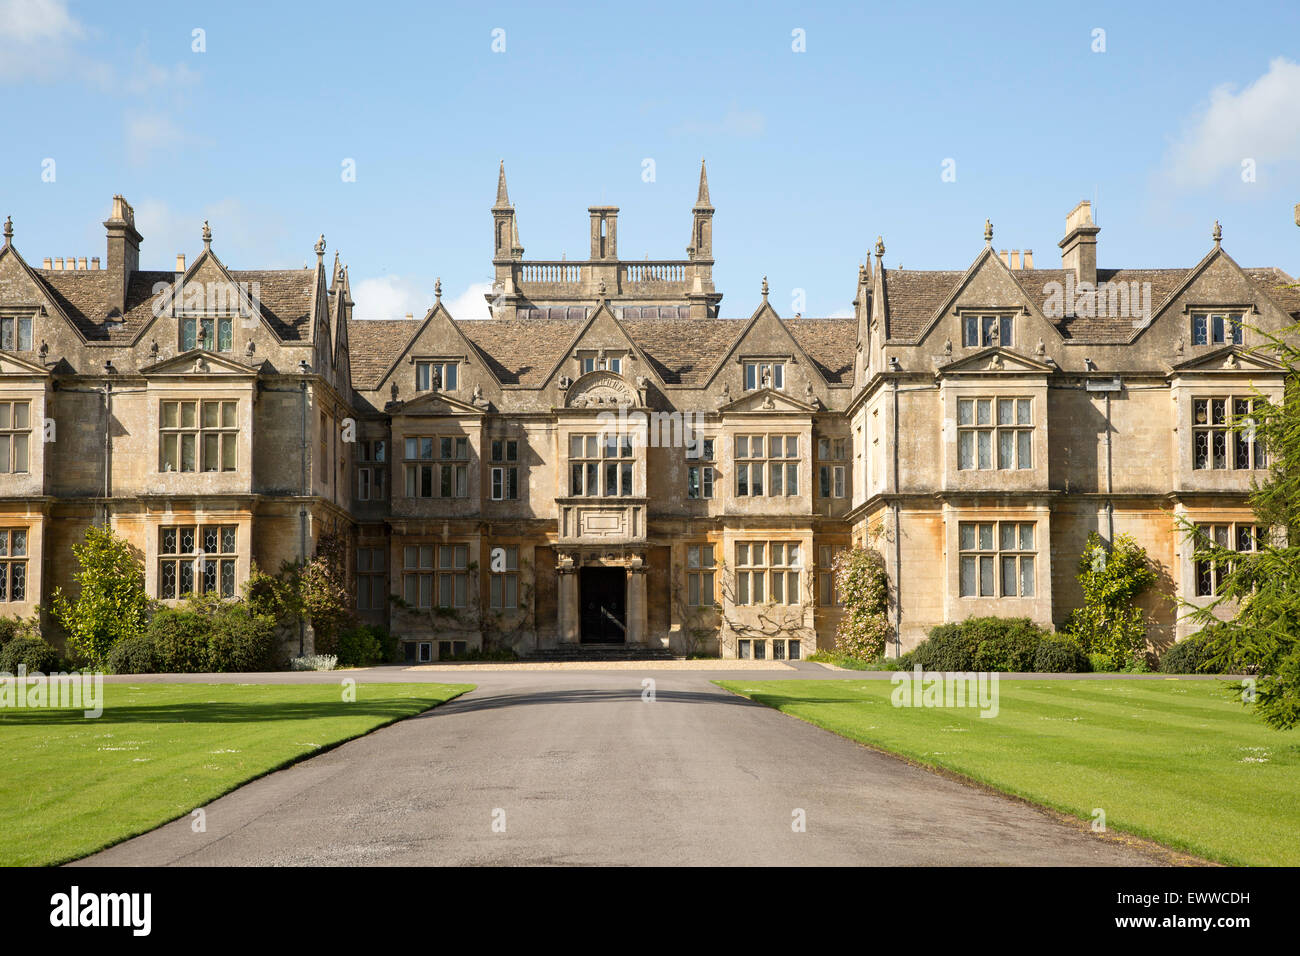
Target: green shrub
[
  {"x": 948, "y": 648},
  {"x": 1055, "y": 655},
  {"x": 240, "y": 640},
  {"x": 1103, "y": 663},
  {"x": 1005, "y": 644},
  {"x": 11, "y": 627},
  {"x": 133, "y": 655},
  {"x": 180, "y": 640},
  {"x": 33, "y": 652},
  {"x": 1191, "y": 655},
  {"x": 362, "y": 646}
]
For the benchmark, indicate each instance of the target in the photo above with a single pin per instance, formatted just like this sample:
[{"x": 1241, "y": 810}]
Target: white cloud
[
  {"x": 390, "y": 297},
  {"x": 1260, "y": 122},
  {"x": 471, "y": 303},
  {"x": 37, "y": 21}
]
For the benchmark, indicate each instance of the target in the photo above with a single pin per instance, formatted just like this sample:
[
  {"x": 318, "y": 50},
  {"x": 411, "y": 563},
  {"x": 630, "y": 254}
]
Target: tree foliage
[
  {"x": 1110, "y": 622},
  {"x": 112, "y": 604},
  {"x": 315, "y": 592},
  {"x": 863, "y": 585},
  {"x": 1253, "y": 623}
]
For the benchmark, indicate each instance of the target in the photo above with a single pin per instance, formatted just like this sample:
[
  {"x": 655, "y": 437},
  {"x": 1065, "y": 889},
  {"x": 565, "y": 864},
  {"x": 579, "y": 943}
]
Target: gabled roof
[
  {"x": 523, "y": 351},
  {"x": 1230, "y": 358}
]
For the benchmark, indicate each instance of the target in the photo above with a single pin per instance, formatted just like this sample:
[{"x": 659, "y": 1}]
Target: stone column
[
  {"x": 636, "y": 603},
  {"x": 567, "y": 615}
]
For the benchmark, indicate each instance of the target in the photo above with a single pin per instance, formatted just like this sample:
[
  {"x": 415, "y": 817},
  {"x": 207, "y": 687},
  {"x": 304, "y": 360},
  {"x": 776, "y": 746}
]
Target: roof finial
[
  {"x": 880, "y": 247},
  {"x": 320, "y": 247},
  {"x": 207, "y": 235},
  {"x": 9, "y": 229},
  {"x": 1217, "y": 235},
  {"x": 988, "y": 233},
  {"x": 437, "y": 288},
  {"x": 764, "y": 288}
]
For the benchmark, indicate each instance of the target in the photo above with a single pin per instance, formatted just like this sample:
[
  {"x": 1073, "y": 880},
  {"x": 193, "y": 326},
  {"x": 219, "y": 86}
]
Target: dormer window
[
  {"x": 440, "y": 375},
  {"x": 1217, "y": 328},
  {"x": 764, "y": 375},
  {"x": 213, "y": 334},
  {"x": 16, "y": 333},
  {"x": 982, "y": 331},
  {"x": 592, "y": 363}
]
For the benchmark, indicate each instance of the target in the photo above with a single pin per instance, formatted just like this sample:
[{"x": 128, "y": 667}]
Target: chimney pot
[
  {"x": 49, "y": 263},
  {"x": 180, "y": 262}
]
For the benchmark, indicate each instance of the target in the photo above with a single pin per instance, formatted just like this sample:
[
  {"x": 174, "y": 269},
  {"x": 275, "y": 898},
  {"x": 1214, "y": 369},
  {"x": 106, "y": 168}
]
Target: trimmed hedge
[
  {"x": 133, "y": 655},
  {"x": 1057, "y": 656},
  {"x": 1191, "y": 655},
  {"x": 980, "y": 644},
  {"x": 240, "y": 640},
  {"x": 33, "y": 652},
  {"x": 995, "y": 644},
  {"x": 180, "y": 641}
]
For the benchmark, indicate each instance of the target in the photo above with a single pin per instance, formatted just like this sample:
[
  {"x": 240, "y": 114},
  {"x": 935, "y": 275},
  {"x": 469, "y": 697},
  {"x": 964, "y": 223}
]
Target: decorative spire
[
  {"x": 764, "y": 288},
  {"x": 320, "y": 248},
  {"x": 702, "y": 199},
  {"x": 207, "y": 235},
  {"x": 1217, "y": 234},
  {"x": 9, "y": 229},
  {"x": 880, "y": 247},
  {"x": 437, "y": 288},
  {"x": 503, "y": 198},
  {"x": 988, "y": 233}
]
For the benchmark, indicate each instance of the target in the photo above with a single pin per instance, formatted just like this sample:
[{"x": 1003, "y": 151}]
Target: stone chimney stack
[
  {"x": 180, "y": 262},
  {"x": 1079, "y": 247},
  {"x": 1029, "y": 258},
  {"x": 48, "y": 264},
  {"x": 123, "y": 252},
  {"x": 1006, "y": 260},
  {"x": 58, "y": 264},
  {"x": 604, "y": 232},
  {"x": 1015, "y": 258}
]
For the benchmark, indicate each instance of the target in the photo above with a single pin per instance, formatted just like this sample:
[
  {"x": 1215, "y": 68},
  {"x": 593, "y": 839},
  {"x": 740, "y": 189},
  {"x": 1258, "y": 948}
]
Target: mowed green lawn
[
  {"x": 70, "y": 786},
  {"x": 1173, "y": 760}
]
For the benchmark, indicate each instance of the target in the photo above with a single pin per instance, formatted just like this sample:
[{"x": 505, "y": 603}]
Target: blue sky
[{"x": 811, "y": 154}]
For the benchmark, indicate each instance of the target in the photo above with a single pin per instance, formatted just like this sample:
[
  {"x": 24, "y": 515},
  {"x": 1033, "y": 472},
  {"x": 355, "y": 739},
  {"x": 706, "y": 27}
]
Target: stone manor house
[{"x": 610, "y": 461}]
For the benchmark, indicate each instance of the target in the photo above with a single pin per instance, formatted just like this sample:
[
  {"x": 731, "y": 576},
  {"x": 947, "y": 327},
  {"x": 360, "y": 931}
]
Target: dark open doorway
[{"x": 604, "y": 605}]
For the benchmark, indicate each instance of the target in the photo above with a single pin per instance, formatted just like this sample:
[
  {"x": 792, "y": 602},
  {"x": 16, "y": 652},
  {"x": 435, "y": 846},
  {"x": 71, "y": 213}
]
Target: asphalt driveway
[{"x": 575, "y": 767}]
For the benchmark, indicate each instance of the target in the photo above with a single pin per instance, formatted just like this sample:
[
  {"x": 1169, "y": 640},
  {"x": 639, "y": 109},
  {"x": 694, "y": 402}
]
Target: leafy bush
[
  {"x": 313, "y": 662},
  {"x": 1055, "y": 655},
  {"x": 133, "y": 655},
  {"x": 1110, "y": 623},
  {"x": 978, "y": 644},
  {"x": 364, "y": 645},
  {"x": 240, "y": 640},
  {"x": 180, "y": 640},
  {"x": 35, "y": 653},
  {"x": 111, "y": 603},
  {"x": 863, "y": 586},
  {"x": 1005, "y": 644},
  {"x": 11, "y": 627},
  {"x": 948, "y": 648},
  {"x": 1191, "y": 655}
]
